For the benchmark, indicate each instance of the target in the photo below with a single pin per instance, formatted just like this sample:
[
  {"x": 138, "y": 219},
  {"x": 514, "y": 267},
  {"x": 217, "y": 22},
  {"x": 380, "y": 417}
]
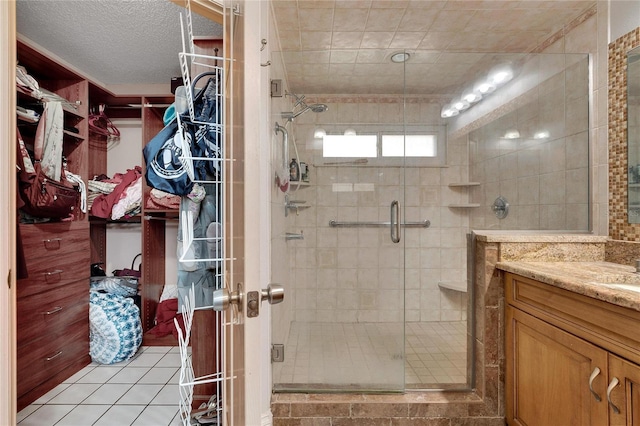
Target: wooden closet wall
[{"x": 53, "y": 302}]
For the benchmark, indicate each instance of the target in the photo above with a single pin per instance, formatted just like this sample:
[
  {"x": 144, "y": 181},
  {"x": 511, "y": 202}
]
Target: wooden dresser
[{"x": 53, "y": 307}]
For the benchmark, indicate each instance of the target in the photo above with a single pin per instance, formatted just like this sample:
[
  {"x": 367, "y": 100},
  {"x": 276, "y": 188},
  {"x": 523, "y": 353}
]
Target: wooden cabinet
[
  {"x": 570, "y": 359},
  {"x": 548, "y": 371},
  {"x": 53, "y": 298}
]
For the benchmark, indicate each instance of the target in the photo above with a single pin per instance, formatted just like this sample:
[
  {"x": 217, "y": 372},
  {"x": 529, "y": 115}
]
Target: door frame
[
  {"x": 257, "y": 210},
  {"x": 7, "y": 218}
]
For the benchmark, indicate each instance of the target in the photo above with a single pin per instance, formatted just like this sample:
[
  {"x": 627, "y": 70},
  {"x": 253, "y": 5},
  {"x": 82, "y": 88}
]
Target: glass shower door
[{"x": 342, "y": 324}]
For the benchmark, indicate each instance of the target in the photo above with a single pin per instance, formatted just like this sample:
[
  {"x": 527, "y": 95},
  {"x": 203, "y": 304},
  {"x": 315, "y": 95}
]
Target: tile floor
[
  {"x": 357, "y": 355},
  {"x": 142, "y": 391}
]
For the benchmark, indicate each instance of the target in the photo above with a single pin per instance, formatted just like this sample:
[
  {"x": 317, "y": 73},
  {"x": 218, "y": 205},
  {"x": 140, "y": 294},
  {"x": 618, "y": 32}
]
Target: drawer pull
[
  {"x": 52, "y": 244},
  {"x": 594, "y": 374},
  {"x": 56, "y": 272},
  {"x": 52, "y": 357},
  {"x": 58, "y": 309},
  {"x": 615, "y": 382}
]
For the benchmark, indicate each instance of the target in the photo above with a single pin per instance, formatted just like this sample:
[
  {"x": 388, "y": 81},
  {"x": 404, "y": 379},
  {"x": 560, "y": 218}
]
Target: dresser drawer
[
  {"x": 52, "y": 311},
  {"x": 45, "y": 357},
  {"x": 53, "y": 274},
  {"x": 47, "y": 244}
]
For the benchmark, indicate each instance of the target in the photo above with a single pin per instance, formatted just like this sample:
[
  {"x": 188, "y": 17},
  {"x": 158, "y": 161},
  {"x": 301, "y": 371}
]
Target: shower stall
[{"x": 373, "y": 242}]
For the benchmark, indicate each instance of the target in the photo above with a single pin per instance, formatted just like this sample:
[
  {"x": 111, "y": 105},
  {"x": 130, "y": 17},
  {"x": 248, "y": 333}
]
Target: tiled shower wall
[
  {"x": 544, "y": 179},
  {"x": 354, "y": 275}
]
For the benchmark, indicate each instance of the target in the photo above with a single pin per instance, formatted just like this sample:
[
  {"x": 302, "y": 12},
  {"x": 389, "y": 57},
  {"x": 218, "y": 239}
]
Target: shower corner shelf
[
  {"x": 454, "y": 285},
  {"x": 295, "y": 185},
  {"x": 464, "y": 206},
  {"x": 463, "y": 184}
]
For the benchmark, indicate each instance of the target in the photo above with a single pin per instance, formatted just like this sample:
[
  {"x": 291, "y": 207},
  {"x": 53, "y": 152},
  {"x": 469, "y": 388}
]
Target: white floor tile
[
  {"x": 49, "y": 395},
  {"x": 158, "y": 349},
  {"x": 99, "y": 375},
  {"x": 107, "y": 394},
  {"x": 47, "y": 415},
  {"x": 26, "y": 411},
  {"x": 140, "y": 394},
  {"x": 157, "y": 416},
  {"x": 175, "y": 379},
  {"x": 120, "y": 415},
  {"x": 146, "y": 359},
  {"x": 168, "y": 395},
  {"x": 129, "y": 374},
  {"x": 83, "y": 415},
  {"x": 80, "y": 374},
  {"x": 158, "y": 375},
  {"x": 169, "y": 360},
  {"x": 75, "y": 393}
]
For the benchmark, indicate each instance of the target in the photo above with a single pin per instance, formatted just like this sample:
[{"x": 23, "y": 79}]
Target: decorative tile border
[{"x": 619, "y": 228}]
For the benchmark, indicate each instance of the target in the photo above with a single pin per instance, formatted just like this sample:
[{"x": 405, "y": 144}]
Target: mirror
[{"x": 633, "y": 133}]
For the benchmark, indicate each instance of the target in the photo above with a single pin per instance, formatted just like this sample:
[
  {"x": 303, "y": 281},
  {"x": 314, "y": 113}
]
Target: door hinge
[{"x": 277, "y": 353}]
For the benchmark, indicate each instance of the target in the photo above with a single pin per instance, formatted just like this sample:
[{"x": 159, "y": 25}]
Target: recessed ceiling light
[{"x": 400, "y": 57}]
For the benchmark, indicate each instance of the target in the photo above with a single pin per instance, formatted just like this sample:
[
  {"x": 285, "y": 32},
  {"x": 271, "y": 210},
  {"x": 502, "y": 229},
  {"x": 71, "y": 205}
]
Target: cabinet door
[
  {"x": 549, "y": 374},
  {"x": 623, "y": 392}
]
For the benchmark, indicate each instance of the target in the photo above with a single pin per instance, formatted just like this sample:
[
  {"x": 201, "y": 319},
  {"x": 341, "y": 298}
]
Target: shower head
[{"x": 317, "y": 108}]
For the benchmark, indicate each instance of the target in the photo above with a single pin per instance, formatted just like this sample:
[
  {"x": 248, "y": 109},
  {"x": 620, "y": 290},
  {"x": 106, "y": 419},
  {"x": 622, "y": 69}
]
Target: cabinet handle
[
  {"x": 52, "y": 357},
  {"x": 57, "y": 271},
  {"x": 594, "y": 374},
  {"x": 615, "y": 382},
  {"x": 58, "y": 309},
  {"x": 48, "y": 243}
]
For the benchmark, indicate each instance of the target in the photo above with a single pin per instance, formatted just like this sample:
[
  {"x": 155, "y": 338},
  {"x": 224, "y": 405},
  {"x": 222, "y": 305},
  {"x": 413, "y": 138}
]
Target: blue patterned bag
[{"x": 115, "y": 327}]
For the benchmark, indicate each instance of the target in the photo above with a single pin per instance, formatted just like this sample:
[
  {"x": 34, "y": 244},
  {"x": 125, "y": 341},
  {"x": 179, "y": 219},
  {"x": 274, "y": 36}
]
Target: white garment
[
  {"x": 83, "y": 189},
  {"x": 50, "y": 130}
]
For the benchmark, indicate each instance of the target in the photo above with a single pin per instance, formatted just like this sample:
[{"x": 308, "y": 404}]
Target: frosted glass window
[
  {"x": 409, "y": 146},
  {"x": 354, "y": 146}
]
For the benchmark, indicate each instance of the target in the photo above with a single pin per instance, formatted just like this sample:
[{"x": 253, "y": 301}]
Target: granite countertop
[
  {"x": 609, "y": 282},
  {"x": 537, "y": 236}
]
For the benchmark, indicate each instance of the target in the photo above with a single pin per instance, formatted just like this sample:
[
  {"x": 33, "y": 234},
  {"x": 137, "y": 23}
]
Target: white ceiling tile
[
  {"x": 384, "y": 19},
  {"x": 315, "y": 40},
  {"x": 376, "y": 40},
  {"x": 316, "y": 19},
  {"x": 316, "y": 57},
  {"x": 452, "y": 20},
  {"x": 350, "y": 19},
  {"x": 418, "y": 19},
  {"x": 343, "y": 56},
  {"x": 406, "y": 40},
  {"x": 346, "y": 40},
  {"x": 353, "y": 4},
  {"x": 290, "y": 40}
]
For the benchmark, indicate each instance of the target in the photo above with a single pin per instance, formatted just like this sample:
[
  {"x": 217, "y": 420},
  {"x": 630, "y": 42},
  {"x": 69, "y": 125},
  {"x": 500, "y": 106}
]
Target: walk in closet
[{"x": 53, "y": 294}]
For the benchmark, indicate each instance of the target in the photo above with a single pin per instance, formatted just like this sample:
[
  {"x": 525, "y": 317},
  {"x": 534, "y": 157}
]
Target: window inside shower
[{"x": 380, "y": 295}]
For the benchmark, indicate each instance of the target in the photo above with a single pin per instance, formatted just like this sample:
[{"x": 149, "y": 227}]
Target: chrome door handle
[
  {"x": 615, "y": 382},
  {"x": 594, "y": 374},
  {"x": 223, "y": 298},
  {"x": 395, "y": 223},
  {"x": 274, "y": 294}
]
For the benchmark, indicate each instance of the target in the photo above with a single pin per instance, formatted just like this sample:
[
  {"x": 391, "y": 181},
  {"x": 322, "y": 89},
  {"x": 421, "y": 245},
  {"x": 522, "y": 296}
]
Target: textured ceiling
[
  {"x": 113, "y": 41},
  {"x": 344, "y": 46}
]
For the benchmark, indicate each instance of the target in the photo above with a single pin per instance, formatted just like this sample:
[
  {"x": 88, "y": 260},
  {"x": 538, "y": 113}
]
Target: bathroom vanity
[{"x": 572, "y": 343}]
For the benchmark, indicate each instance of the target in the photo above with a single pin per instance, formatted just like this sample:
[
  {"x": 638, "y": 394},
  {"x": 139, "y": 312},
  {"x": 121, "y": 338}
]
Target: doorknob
[
  {"x": 223, "y": 298},
  {"x": 274, "y": 294}
]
